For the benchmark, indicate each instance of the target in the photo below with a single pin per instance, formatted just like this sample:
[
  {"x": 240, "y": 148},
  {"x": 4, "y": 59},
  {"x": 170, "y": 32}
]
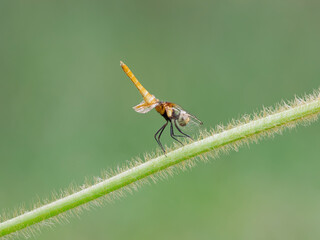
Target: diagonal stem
[{"x": 291, "y": 115}]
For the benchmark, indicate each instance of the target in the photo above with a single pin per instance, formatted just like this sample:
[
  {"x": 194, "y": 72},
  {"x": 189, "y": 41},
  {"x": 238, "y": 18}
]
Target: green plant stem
[{"x": 125, "y": 178}]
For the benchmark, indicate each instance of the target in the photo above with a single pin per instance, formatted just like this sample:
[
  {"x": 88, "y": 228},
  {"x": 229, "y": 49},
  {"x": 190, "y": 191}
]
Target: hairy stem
[{"x": 283, "y": 118}]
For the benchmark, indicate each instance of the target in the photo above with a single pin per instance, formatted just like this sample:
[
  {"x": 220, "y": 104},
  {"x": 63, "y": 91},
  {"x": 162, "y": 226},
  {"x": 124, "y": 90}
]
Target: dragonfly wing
[
  {"x": 195, "y": 120},
  {"x": 144, "y": 107}
]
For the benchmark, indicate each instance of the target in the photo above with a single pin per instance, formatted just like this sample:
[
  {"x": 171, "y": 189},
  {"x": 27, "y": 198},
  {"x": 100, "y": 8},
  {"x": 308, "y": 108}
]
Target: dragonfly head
[{"x": 183, "y": 118}]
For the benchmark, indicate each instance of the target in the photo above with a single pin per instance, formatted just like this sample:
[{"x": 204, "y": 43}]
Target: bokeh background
[{"x": 66, "y": 112}]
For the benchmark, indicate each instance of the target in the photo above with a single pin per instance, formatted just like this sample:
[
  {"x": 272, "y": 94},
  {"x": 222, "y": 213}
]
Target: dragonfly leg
[
  {"x": 186, "y": 135},
  {"x": 157, "y": 138},
  {"x": 173, "y": 135}
]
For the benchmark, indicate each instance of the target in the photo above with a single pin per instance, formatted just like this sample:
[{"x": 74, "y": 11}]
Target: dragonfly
[{"x": 172, "y": 113}]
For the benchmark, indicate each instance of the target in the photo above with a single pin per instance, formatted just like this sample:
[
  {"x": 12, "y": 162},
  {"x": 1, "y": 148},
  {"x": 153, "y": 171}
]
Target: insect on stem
[{"x": 170, "y": 111}]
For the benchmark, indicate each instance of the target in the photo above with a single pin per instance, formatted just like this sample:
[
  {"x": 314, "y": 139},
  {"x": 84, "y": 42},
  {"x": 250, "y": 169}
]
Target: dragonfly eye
[{"x": 183, "y": 119}]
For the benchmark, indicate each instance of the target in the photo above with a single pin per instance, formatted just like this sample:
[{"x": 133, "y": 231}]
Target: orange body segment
[{"x": 147, "y": 97}]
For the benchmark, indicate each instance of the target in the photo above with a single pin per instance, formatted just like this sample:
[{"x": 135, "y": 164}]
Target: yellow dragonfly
[{"x": 172, "y": 113}]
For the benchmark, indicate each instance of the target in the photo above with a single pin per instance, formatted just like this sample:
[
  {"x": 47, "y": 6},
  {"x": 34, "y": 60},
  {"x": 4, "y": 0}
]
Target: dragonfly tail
[{"x": 148, "y": 98}]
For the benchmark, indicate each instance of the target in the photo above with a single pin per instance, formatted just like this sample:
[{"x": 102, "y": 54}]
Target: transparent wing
[
  {"x": 144, "y": 107},
  {"x": 193, "y": 119}
]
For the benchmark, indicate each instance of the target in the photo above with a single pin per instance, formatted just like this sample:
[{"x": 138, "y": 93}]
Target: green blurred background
[{"x": 66, "y": 112}]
